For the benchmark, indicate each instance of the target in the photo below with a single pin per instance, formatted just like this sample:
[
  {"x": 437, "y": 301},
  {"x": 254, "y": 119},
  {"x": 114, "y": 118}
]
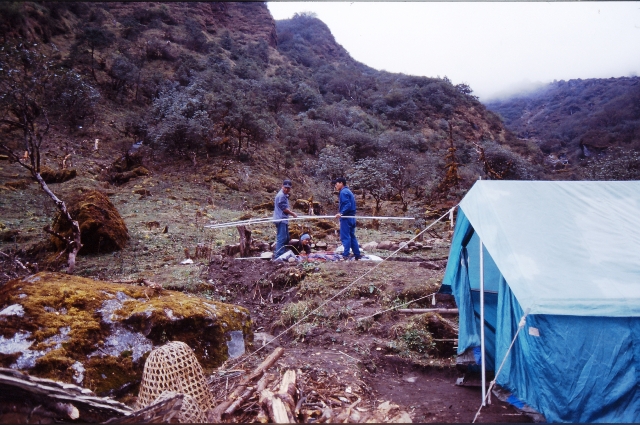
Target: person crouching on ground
[
  {"x": 281, "y": 211},
  {"x": 301, "y": 246},
  {"x": 347, "y": 207}
]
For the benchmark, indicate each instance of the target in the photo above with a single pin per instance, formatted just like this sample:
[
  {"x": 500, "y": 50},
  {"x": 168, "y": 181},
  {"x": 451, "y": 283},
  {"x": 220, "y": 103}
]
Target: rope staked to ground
[
  {"x": 233, "y": 365},
  {"x": 521, "y": 324}
]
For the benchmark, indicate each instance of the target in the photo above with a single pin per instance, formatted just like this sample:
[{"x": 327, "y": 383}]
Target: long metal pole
[
  {"x": 482, "y": 344},
  {"x": 305, "y": 217}
]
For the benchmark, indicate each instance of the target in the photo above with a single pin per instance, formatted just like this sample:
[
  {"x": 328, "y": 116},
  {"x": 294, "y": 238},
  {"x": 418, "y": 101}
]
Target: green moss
[
  {"x": 106, "y": 375},
  {"x": 73, "y": 302},
  {"x": 7, "y": 360},
  {"x": 56, "y": 364}
]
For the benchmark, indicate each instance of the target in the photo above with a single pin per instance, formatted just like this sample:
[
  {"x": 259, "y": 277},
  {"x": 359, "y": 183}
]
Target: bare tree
[
  {"x": 452, "y": 177},
  {"x": 27, "y": 77},
  {"x": 372, "y": 175}
]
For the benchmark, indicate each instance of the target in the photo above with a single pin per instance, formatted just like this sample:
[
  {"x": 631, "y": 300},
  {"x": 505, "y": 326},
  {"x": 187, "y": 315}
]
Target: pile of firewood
[{"x": 296, "y": 397}]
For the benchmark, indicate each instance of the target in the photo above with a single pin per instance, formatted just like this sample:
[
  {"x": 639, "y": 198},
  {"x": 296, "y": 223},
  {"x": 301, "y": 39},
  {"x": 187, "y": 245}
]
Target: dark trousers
[{"x": 348, "y": 236}]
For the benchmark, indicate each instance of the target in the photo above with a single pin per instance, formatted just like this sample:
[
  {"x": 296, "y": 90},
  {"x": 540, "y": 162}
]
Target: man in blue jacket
[
  {"x": 347, "y": 207},
  {"x": 281, "y": 210}
]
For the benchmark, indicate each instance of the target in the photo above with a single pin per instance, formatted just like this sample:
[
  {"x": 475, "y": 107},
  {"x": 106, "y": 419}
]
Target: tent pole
[{"x": 482, "y": 344}]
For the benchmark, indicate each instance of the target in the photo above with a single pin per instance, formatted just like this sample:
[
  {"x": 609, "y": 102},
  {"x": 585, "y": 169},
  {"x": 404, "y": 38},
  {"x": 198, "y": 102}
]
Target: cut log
[
  {"x": 428, "y": 310},
  {"x": 287, "y": 391},
  {"x": 275, "y": 407},
  {"x": 161, "y": 412},
  {"x": 246, "y": 395},
  {"x": 288, "y": 384},
  {"x": 238, "y": 401},
  {"x": 266, "y": 364},
  {"x": 215, "y": 414}
]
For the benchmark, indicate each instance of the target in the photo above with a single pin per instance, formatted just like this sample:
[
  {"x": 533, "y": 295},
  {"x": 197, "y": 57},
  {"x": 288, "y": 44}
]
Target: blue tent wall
[{"x": 580, "y": 368}]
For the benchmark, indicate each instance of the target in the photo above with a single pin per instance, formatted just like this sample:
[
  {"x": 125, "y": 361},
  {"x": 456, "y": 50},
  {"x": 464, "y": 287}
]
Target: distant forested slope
[
  {"x": 225, "y": 79},
  {"x": 592, "y": 124}
]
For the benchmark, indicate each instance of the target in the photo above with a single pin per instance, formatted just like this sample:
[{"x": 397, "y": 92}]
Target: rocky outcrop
[{"x": 98, "y": 334}]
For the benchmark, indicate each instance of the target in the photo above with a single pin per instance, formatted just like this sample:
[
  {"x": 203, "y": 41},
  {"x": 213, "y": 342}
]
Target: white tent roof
[{"x": 568, "y": 248}]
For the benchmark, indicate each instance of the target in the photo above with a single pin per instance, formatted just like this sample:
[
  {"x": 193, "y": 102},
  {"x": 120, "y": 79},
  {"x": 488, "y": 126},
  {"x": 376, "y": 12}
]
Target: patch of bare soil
[{"x": 351, "y": 345}]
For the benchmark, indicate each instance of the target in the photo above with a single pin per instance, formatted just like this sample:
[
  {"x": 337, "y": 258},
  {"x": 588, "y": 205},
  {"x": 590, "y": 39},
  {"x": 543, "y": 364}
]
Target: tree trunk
[{"x": 73, "y": 243}]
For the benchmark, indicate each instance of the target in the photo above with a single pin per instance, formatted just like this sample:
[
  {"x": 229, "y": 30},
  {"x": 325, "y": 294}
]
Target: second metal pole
[{"x": 482, "y": 344}]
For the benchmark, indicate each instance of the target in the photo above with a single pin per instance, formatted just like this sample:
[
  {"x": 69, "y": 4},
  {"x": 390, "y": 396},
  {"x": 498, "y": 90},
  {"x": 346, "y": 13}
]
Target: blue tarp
[{"x": 577, "y": 358}]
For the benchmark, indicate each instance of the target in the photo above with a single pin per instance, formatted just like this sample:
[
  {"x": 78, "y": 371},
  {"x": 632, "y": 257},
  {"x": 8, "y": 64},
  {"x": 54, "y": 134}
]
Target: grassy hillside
[{"x": 194, "y": 80}]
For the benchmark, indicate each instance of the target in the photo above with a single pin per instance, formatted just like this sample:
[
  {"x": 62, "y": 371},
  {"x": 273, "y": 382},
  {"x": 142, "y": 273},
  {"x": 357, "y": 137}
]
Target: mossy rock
[
  {"x": 125, "y": 176},
  {"x": 18, "y": 184},
  {"x": 230, "y": 182},
  {"x": 98, "y": 334},
  {"x": 101, "y": 227},
  {"x": 303, "y": 204},
  {"x": 326, "y": 225},
  {"x": 127, "y": 162},
  {"x": 12, "y": 235},
  {"x": 49, "y": 175},
  {"x": 268, "y": 206}
]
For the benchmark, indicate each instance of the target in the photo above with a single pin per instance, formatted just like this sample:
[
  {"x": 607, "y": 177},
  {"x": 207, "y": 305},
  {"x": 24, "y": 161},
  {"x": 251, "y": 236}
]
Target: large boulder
[
  {"x": 101, "y": 227},
  {"x": 98, "y": 334}
]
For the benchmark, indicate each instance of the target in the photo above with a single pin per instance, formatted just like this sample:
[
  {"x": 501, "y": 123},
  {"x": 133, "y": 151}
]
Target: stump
[{"x": 245, "y": 241}]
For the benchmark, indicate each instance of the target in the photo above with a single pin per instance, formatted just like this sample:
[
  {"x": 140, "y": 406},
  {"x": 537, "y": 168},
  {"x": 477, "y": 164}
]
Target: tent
[{"x": 568, "y": 255}]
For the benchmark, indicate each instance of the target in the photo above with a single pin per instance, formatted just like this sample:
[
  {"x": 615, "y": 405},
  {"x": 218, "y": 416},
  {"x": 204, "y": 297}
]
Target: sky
[{"x": 497, "y": 48}]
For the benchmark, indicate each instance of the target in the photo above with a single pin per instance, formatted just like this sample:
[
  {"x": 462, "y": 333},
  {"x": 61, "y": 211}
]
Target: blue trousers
[
  {"x": 348, "y": 236},
  {"x": 282, "y": 238}
]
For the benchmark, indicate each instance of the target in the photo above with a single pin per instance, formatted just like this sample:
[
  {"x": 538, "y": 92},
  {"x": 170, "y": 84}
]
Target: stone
[
  {"x": 369, "y": 246},
  {"x": 385, "y": 245},
  {"x": 98, "y": 334},
  {"x": 430, "y": 265},
  {"x": 321, "y": 246}
]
